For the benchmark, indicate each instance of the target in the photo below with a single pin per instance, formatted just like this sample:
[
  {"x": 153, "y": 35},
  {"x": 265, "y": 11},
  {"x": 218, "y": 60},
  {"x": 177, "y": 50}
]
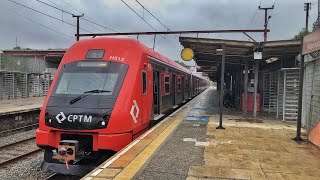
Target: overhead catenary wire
[
  {"x": 140, "y": 17},
  {"x": 255, "y": 14},
  {"x": 153, "y": 15},
  {"x": 88, "y": 20},
  {"x": 47, "y": 15},
  {"x": 55, "y": 4},
  {"x": 71, "y": 6},
  {"x": 29, "y": 19},
  {"x": 67, "y": 12}
]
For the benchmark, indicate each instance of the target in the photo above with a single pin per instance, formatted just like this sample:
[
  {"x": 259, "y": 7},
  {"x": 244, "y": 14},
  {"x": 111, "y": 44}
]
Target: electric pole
[
  {"x": 78, "y": 24},
  {"x": 266, "y": 20},
  {"x": 307, "y": 7}
]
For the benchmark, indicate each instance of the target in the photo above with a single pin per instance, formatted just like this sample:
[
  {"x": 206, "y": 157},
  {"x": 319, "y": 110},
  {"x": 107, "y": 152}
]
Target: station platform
[
  {"x": 12, "y": 106},
  {"x": 187, "y": 145}
]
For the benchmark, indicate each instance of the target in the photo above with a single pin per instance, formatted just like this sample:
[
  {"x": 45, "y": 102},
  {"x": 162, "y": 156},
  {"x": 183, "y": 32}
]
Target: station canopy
[{"x": 283, "y": 54}]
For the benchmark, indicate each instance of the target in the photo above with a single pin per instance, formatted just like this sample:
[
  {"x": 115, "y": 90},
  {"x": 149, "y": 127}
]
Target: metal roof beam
[{"x": 176, "y": 32}]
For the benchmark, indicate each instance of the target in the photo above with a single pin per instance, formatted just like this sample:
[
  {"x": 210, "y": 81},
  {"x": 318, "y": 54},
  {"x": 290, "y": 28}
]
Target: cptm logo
[{"x": 73, "y": 118}]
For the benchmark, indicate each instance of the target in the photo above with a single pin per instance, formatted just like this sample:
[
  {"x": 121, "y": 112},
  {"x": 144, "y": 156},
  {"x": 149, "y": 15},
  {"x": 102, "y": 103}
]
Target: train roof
[
  {"x": 137, "y": 44},
  {"x": 130, "y": 42}
]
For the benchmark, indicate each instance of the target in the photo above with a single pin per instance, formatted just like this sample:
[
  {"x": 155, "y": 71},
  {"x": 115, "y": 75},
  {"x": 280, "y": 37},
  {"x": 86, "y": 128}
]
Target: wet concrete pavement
[
  {"x": 180, "y": 149},
  {"x": 249, "y": 150}
]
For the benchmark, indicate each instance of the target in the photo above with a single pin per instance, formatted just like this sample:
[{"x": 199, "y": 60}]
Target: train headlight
[
  {"x": 104, "y": 121},
  {"x": 47, "y": 118}
]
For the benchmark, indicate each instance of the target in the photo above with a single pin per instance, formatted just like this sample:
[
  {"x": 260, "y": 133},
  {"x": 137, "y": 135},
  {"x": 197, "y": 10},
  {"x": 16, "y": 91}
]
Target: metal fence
[
  {"x": 24, "y": 76},
  {"x": 280, "y": 93},
  {"x": 21, "y": 85}
]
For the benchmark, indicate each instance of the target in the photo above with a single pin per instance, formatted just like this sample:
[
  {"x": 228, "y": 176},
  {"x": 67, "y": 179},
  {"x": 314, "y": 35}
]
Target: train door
[
  {"x": 187, "y": 87},
  {"x": 174, "y": 88},
  {"x": 156, "y": 93},
  {"x": 182, "y": 88},
  {"x": 145, "y": 110}
]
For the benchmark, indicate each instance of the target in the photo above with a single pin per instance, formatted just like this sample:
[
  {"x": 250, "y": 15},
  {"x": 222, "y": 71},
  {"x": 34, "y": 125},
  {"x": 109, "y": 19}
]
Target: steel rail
[
  {"x": 16, "y": 143},
  {"x": 2, "y": 133},
  {"x": 20, "y": 157}
]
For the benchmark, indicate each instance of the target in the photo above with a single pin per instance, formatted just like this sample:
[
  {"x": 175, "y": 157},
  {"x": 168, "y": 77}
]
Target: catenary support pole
[
  {"x": 256, "y": 76},
  {"x": 222, "y": 86},
  {"x": 78, "y": 25},
  {"x": 266, "y": 20},
  {"x": 301, "y": 73},
  {"x": 245, "y": 101}
]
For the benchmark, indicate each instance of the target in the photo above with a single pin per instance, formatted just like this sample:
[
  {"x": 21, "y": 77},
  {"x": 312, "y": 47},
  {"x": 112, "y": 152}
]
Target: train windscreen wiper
[{"x": 87, "y": 93}]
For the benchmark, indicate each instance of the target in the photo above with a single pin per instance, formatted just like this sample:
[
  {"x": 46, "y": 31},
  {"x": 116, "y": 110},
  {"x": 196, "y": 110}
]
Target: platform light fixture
[
  {"x": 271, "y": 60},
  {"x": 219, "y": 51}
]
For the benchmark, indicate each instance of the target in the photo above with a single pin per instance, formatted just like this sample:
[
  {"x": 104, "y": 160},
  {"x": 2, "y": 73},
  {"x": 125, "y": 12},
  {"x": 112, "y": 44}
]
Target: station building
[{"x": 27, "y": 73}]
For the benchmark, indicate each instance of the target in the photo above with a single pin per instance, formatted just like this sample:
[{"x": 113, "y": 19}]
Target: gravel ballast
[{"x": 27, "y": 168}]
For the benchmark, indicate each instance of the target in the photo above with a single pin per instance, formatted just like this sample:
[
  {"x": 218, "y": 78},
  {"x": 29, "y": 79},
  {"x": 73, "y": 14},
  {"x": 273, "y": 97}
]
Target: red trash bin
[{"x": 250, "y": 102}]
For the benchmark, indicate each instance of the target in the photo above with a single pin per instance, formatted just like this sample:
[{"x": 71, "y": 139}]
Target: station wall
[
  {"x": 25, "y": 76},
  {"x": 311, "y": 95}
]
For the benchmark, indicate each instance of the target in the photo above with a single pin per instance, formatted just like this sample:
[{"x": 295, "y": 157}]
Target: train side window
[
  {"x": 187, "y": 84},
  {"x": 179, "y": 84},
  {"x": 167, "y": 84},
  {"x": 144, "y": 82}
]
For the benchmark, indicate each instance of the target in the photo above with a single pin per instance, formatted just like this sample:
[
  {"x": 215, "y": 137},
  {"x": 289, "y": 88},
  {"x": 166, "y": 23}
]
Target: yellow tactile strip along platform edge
[{"x": 146, "y": 153}]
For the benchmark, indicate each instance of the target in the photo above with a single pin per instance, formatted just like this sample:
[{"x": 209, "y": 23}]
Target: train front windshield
[
  {"x": 78, "y": 83},
  {"x": 80, "y": 77}
]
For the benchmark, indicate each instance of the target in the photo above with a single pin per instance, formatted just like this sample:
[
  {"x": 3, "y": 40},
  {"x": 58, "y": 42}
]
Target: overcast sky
[{"x": 287, "y": 19}]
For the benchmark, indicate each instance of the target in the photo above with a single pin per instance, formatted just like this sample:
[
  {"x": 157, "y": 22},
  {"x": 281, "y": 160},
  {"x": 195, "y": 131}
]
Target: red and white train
[{"x": 104, "y": 95}]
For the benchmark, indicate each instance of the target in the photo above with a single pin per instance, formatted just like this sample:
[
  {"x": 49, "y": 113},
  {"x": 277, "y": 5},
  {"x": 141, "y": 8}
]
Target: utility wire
[
  {"x": 63, "y": 11},
  {"x": 41, "y": 24},
  {"x": 60, "y": 8},
  {"x": 271, "y": 11},
  {"x": 88, "y": 20},
  {"x": 55, "y": 7},
  {"x": 153, "y": 16},
  {"x": 140, "y": 17},
  {"x": 71, "y": 6},
  {"x": 47, "y": 15},
  {"x": 255, "y": 14},
  {"x": 55, "y": 4}
]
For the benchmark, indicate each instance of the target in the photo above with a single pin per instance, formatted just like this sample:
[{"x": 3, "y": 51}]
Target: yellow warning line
[{"x": 136, "y": 164}]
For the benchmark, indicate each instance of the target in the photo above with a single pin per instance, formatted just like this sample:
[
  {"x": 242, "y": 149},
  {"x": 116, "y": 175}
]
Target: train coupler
[{"x": 67, "y": 151}]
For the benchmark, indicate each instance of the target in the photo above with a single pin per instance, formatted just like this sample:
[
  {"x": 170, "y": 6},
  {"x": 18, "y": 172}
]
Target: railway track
[
  {"x": 17, "y": 130},
  {"x": 16, "y": 151}
]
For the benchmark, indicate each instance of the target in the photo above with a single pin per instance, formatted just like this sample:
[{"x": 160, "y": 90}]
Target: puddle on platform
[{"x": 193, "y": 118}]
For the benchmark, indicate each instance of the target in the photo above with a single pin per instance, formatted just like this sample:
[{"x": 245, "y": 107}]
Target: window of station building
[
  {"x": 167, "y": 84},
  {"x": 144, "y": 82},
  {"x": 179, "y": 84}
]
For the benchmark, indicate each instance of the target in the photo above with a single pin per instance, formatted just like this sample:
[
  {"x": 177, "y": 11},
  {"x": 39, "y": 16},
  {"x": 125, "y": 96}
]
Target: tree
[
  {"x": 301, "y": 34},
  {"x": 316, "y": 25},
  {"x": 17, "y": 48}
]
